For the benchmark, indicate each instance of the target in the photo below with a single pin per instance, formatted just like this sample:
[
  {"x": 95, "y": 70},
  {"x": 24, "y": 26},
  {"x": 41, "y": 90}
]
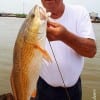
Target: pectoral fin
[{"x": 45, "y": 54}]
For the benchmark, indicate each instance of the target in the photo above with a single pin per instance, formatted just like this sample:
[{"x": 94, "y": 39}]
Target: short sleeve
[{"x": 84, "y": 25}]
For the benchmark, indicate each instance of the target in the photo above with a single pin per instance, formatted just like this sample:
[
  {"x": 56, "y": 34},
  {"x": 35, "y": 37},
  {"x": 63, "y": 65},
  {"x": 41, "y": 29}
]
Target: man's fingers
[
  {"x": 50, "y": 37},
  {"x": 53, "y": 24}
]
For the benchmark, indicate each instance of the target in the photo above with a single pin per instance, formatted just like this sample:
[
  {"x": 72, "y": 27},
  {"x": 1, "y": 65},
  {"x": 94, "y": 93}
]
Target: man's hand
[
  {"x": 55, "y": 31},
  {"x": 83, "y": 46}
]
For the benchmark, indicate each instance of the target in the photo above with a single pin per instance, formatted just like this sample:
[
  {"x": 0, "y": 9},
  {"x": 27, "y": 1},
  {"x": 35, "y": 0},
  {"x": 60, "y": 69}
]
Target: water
[
  {"x": 9, "y": 28},
  {"x": 91, "y": 72}
]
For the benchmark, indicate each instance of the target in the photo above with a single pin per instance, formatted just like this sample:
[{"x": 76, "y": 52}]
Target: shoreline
[
  {"x": 95, "y": 21},
  {"x": 13, "y": 15},
  {"x": 24, "y": 16}
]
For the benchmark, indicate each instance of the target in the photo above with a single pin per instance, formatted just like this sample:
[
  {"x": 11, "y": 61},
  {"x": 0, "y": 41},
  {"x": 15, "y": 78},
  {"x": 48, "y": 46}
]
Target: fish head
[{"x": 37, "y": 24}]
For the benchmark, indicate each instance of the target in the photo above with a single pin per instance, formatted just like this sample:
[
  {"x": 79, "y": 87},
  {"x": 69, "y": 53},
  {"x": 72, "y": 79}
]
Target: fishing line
[{"x": 67, "y": 93}]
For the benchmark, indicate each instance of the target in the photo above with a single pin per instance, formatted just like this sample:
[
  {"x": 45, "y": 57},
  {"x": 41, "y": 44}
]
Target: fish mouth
[{"x": 42, "y": 13}]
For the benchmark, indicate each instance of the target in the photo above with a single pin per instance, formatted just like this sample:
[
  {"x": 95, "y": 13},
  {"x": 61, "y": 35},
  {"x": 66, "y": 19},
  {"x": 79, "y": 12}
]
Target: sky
[{"x": 23, "y": 6}]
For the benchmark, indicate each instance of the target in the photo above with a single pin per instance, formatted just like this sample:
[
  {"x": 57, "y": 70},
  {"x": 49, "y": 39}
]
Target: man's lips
[{"x": 49, "y": 1}]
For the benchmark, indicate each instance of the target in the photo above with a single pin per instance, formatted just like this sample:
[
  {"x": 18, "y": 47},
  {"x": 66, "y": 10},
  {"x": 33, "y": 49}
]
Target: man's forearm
[{"x": 83, "y": 46}]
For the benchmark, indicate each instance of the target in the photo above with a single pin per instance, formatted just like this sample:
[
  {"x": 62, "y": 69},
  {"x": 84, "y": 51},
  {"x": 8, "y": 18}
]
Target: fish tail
[{"x": 13, "y": 87}]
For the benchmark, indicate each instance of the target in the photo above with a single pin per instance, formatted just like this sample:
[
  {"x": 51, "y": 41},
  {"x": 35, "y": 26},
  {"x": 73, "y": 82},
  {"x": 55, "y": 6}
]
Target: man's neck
[{"x": 58, "y": 12}]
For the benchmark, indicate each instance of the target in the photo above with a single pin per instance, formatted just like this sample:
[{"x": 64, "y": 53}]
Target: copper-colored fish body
[{"x": 28, "y": 53}]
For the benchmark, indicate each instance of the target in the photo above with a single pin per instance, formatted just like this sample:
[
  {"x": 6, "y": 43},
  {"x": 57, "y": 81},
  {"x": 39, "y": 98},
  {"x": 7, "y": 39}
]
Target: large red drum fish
[{"x": 28, "y": 54}]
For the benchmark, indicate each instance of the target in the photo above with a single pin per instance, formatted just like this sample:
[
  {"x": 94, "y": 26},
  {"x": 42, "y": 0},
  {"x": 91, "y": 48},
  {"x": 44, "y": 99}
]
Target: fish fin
[
  {"x": 45, "y": 54},
  {"x": 34, "y": 93},
  {"x": 13, "y": 87}
]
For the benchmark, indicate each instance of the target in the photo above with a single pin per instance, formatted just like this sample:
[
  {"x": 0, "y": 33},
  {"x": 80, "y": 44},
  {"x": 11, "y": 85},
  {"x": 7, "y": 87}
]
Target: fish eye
[{"x": 33, "y": 15}]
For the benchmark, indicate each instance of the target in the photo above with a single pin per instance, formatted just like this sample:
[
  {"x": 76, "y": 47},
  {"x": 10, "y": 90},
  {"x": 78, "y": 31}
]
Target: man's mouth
[{"x": 50, "y": 0}]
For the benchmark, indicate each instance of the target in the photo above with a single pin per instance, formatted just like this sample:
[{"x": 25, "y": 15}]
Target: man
[{"x": 71, "y": 37}]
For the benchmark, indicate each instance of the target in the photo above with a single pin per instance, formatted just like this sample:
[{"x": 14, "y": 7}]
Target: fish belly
[{"x": 25, "y": 73}]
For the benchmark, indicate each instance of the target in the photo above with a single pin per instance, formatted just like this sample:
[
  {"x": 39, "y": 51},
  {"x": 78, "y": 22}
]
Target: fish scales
[{"x": 28, "y": 54}]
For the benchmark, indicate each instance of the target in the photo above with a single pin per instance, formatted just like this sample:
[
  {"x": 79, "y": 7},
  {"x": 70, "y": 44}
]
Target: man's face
[{"x": 51, "y": 5}]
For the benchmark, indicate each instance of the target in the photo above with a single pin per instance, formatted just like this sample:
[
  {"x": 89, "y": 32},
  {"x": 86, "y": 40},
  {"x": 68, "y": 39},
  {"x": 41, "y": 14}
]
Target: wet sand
[{"x": 9, "y": 28}]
